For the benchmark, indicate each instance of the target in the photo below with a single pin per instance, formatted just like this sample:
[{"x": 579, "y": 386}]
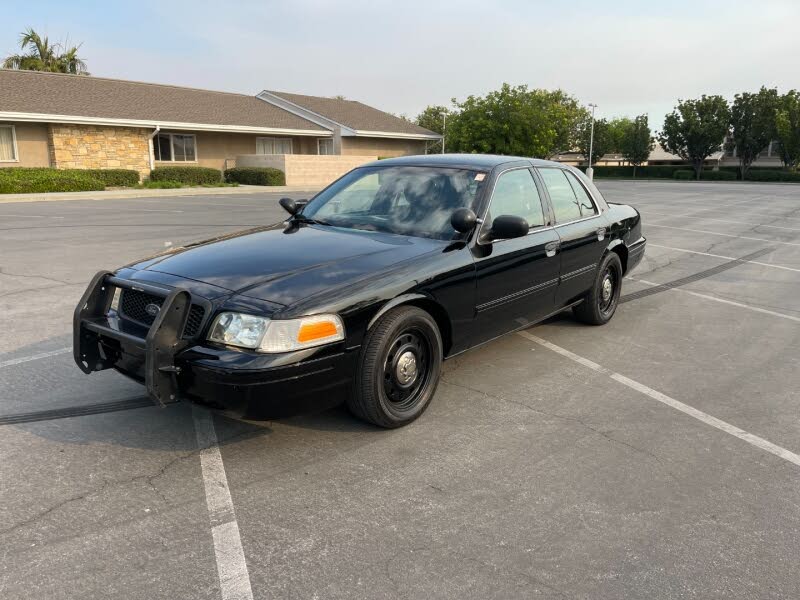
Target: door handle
[
  {"x": 551, "y": 248},
  {"x": 601, "y": 234}
]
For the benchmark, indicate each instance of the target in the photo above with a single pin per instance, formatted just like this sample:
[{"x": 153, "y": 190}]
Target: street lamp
[
  {"x": 589, "y": 170},
  {"x": 444, "y": 128}
]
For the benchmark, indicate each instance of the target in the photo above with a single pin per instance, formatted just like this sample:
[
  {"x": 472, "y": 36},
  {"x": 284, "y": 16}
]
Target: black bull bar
[{"x": 163, "y": 342}]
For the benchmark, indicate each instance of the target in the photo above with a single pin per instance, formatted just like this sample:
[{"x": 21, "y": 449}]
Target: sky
[{"x": 627, "y": 57}]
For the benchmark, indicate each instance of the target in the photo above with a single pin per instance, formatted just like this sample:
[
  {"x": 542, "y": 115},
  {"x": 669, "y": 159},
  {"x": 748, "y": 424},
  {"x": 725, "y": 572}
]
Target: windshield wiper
[{"x": 308, "y": 220}]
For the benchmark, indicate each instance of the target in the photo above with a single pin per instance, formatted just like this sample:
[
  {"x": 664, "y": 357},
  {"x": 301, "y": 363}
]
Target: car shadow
[
  {"x": 145, "y": 426},
  {"x": 118, "y": 413}
]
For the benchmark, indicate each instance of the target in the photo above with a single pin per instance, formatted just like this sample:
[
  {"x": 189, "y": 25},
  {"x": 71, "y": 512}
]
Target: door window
[
  {"x": 515, "y": 194},
  {"x": 584, "y": 200},
  {"x": 565, "y": 204}
]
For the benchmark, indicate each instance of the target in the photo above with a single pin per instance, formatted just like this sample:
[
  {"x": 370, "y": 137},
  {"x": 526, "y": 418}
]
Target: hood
[{"x": 284, "y": 266}]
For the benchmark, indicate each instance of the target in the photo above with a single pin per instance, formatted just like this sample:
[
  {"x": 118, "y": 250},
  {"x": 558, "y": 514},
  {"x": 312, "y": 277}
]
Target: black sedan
[{"x": 365, "y": 289}]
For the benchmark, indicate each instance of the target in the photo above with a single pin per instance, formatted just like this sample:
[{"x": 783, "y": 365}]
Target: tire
[
  {"x": 602, "y": 300},
  {"x": 399, "y": 368}
]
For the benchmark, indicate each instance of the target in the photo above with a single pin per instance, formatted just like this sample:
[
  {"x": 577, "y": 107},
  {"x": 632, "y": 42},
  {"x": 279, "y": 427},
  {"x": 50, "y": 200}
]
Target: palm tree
[{"x": 43, "y": 56}]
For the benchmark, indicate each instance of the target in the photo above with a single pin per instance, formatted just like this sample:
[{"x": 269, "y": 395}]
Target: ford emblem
[{"x": 152, "y": 309}]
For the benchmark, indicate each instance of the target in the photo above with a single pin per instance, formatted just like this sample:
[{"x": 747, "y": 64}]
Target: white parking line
[
  {"x": 752, "y": 262},
  {"x": 652, "y": 212},
  {"x": 24, "y": 359},
  {"x": 234, "y": 579},
  {"x": 748, "y": 213},
  {"x": 756, "y": 441},
  {"x": 29, "y": 216},
  {"x": 741, "y": 237},
  {"x": 722, "y": 300}
]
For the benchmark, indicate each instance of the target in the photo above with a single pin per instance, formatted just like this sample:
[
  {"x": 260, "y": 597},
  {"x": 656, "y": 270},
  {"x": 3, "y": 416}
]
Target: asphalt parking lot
[{"x": 655, "y": 457}]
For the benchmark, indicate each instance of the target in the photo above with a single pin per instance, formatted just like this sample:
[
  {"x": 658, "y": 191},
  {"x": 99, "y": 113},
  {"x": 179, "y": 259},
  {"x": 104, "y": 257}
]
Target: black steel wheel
[
  {"x": 399, "y": 368},
  {"x": 601, "y": 302}
]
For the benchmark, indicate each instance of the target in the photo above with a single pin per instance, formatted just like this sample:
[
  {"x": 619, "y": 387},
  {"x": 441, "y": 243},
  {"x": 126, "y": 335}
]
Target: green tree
[
  {"x": 617, "y": 128},
  {"x": 433, "y": 118},
  {"x": 515, "y": 120},
  {"x": 696, "y": 129},
  {"x": 753, "y": 121},
  {"x": 603, "y": 141},
  {"x": 40, "y": 55},
  {"x": 636, "y": 141},
  {"x": 787, "y": 128},
  {"x": 608, "y": 136}
]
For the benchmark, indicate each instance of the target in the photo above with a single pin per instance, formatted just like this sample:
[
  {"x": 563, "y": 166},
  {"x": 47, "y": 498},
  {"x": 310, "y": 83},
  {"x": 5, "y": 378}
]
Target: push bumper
[{"x": 173, "y": 368}]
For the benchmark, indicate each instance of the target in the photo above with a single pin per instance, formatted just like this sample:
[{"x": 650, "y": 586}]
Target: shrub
[
  {"x": 643, "y": 172},
  {"x": 188, "y": 175},
  {"x": 772, "y": 175},
  {"x": 255, "y": 176},
  {"x": 718, "y": 176},
  {"x": 162, "y": 185},
  {"x": 21, "y": 180},
  {"x": 115, "y": 177},
  {"x": 684, "y": 174}
]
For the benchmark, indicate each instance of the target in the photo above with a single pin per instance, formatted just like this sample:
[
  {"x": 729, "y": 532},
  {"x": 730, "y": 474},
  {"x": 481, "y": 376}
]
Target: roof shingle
[
  {"x": 97, "y": 97},
  {"x": 353, "y": 114}
]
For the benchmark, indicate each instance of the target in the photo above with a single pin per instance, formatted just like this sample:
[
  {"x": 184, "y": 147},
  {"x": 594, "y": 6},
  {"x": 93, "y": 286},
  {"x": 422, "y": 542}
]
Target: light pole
[
  {"x": 444, "y": 128},
  {"x": 589, "y": 170}
]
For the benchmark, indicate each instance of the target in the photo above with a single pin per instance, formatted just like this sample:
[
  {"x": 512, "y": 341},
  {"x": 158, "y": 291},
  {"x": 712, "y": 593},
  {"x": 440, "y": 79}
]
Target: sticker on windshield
[{"x": 480, "y": 176}]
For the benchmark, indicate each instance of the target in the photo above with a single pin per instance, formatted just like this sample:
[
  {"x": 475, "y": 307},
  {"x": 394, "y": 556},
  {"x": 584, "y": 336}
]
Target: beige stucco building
[{"x": 81, "y": 122}]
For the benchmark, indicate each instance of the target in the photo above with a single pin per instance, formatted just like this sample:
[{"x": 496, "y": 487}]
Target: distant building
[
  {"x": 80, "y": 122},
  {"x": 769, "y": 157}
]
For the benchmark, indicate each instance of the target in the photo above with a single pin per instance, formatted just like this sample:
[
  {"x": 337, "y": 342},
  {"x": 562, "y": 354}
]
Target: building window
[
  {"x": 8, "y": 144},
  {"x": 325, "y": 146},
  {"x": 175, "y": 147},
  {"x": 269, "y": 145}
]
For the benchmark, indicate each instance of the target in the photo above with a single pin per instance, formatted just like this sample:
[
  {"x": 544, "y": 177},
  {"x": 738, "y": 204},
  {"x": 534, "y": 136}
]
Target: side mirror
[
  {"x": 289, "y": 205},
  {"x": 506, "y": 227},
  {"x": 463, "y": 220}
]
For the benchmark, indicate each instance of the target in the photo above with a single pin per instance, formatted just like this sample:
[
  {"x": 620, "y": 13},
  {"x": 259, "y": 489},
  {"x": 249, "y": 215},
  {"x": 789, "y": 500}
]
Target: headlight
[{"x": 265, "y": 335}]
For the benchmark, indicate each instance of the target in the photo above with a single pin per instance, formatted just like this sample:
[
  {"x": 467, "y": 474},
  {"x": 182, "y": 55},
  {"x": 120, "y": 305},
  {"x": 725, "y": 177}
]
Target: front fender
[{"x": 402, "y": 299}]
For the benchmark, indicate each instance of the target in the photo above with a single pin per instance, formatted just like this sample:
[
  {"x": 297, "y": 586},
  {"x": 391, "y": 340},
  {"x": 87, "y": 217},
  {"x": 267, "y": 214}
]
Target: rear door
[
  {"x": 581, "y": 229},
  {"x": 516, "y": 278}
]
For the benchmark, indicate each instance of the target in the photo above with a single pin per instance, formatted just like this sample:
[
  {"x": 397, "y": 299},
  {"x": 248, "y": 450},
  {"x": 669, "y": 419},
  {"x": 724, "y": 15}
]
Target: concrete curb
[{"x": 145, "y": 193}]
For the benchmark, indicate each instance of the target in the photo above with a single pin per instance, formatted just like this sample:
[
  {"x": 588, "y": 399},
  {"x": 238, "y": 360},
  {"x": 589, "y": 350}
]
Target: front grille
[{"x": 133, "y": 305}]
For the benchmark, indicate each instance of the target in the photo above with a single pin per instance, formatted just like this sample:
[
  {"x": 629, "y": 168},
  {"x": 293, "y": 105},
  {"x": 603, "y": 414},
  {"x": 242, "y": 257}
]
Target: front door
[
  {"x": 516, "y": 278},
  {"x": 581, "y": 230}
]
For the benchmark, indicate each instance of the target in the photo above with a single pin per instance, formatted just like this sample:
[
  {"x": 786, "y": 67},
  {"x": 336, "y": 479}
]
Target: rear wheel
[
  {"x": 399, "y": 368},
  {"x": 601, "y": 302}
]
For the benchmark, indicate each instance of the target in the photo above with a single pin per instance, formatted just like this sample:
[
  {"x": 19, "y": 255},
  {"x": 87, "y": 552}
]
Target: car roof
[{"x": 481, "y": 162}]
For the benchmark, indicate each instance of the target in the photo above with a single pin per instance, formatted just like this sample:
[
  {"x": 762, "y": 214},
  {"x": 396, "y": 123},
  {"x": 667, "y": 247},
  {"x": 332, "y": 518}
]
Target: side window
[
  {"x": 515, "y": 194},
  {"x": 565, "y": 204},
  {"x": 587, "y": 206}
]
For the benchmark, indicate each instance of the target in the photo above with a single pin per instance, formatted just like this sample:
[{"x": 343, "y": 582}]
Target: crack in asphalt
[
  {"x": 147, "y": 478},
  {"x": 604, "y": 434},
  {"x": 76, "y": 411},
  {"x": 694, "y": 277},
  {"x": 3, "y": 271},
  {"x": 39, "y": 289}
]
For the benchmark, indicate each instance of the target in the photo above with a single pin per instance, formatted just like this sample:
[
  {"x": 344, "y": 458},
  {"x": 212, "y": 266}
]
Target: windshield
[{"x": 415, "y": 201}]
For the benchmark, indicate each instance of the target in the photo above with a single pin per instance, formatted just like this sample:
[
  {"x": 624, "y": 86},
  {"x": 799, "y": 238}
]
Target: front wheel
[
  {"x": 601, "y": 302},
  {"x": 399, "y": 368}
]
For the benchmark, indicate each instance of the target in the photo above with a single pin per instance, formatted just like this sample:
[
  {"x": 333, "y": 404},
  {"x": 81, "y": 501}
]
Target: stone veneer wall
[
  {"x": 306, "y": 169},
  {"x": 99, "y": 147}
]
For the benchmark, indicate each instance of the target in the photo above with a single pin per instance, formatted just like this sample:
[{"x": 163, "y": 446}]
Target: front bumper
[{"x": 241, "y": 383}]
